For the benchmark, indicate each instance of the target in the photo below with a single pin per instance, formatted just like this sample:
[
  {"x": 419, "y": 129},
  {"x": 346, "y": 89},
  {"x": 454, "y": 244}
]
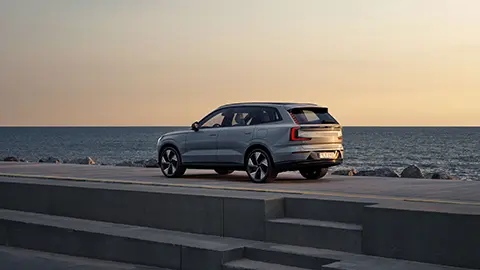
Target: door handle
[
  {"x": 213, "y": 135},
  {"x": 248, "y": 133}
]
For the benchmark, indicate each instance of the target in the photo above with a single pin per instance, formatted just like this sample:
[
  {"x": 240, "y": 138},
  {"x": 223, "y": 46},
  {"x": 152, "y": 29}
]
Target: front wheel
[
  {"x": 314, "y": 173},
  {"x": 259, "y": 166},
  {"x": 171, "y": 163}
]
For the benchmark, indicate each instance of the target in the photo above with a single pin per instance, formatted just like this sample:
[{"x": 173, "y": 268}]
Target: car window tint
[{"x": 215, "y": 120}]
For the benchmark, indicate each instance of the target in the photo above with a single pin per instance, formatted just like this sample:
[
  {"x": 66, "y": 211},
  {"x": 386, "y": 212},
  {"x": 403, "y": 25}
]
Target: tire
[
  {"x": 170, "y": 163},
  {"x": 259, "y": 166},
  {"x": 224, "y": 171},
  {"x": 314, "y": 173}
]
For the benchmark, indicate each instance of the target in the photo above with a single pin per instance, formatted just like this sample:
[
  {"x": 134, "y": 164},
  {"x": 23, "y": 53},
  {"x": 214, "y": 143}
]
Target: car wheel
[
  {"x": 314, "y": 173},
  {"x": 171, "y": 163},
  {"x": 224, "y": 171},
  {"x": 259, "y": 166}
]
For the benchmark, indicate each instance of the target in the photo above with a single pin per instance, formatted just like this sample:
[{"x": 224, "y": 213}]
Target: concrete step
[
  {"x": 247, "y": 264},
  {"x": 315, "y": 233},
  {"x": 316, "y": 259},
  {"x": 23, "y": 259},
  {"x": 229, "y": 213},
  {"x": 340, "y": 210},
  {"x": 116, "y": 242},
  {"x": 284, "y": 256}
]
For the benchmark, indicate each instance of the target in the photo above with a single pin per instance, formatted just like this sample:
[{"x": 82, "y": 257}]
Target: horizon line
[{"x": 188, "y": 126}]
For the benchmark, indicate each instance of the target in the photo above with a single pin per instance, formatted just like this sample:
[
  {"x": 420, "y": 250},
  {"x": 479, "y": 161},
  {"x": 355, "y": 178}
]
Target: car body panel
[
  {"x": 201, "y": 146},
  {"x": 233, "y": 142}
]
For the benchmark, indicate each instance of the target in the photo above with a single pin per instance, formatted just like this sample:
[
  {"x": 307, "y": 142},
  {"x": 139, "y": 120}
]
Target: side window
[
  {"x": 268, "y": 115},
  {"x": 240, "y": 118},
  {"x": 215, "y": 120},
  {"x": 261, "y": 115}
]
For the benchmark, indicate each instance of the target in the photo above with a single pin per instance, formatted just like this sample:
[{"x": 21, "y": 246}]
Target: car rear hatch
[{"x": 315, "y": 125}]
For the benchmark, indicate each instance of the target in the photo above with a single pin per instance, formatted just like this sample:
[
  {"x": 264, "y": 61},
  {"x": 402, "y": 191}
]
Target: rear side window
[{"x": 312, "y": 116}]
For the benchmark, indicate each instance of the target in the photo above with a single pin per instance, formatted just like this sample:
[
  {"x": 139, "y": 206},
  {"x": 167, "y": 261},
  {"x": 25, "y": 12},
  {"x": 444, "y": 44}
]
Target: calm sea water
[{"x": 453, "y": 150}]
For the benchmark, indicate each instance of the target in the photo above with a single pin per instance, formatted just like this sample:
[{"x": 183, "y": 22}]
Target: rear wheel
[
  {"x": 171, "y": 163},
  {"x": 259, "y": 166},
  {"x": 314, "y": 173},
  {"x": 223, "y": 171}
]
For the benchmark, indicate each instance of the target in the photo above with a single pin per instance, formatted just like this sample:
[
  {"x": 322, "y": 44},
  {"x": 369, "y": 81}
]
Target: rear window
[{"x": 312, "y": 116}]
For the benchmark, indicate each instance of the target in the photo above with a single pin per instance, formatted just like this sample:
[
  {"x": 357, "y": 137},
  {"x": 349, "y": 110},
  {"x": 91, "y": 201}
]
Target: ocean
[{"x": 454, "y": 150}]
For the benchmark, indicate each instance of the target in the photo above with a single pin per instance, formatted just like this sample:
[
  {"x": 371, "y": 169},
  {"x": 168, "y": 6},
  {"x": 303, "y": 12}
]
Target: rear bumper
[{"x": 297, "y": 165}]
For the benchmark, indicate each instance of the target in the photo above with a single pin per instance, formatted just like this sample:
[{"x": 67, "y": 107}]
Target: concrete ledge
[
  {"x": 314, "y": 233},
  {"x": 245, "y": 218},
  {"x": 347, "y": 211},
  {"x": 23, "y": 259},
  {"x": 173, "y": 250},
  {"x": 116, "y": 242},
  {"x": 441, "y": 233},
  {"x": 205, "y": 212},
  {"x": 432, "y": 233}
]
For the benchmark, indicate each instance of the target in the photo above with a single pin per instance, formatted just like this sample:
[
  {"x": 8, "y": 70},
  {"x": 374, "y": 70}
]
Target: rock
[
  {"x": 82, "y": 161},
  {"x": 350, "y": 172},
  {"x": 443, "y": 175},
  {"x": 382, "y": 172},
  {"x": 11, "y": 159},
  {"x": 49, "y": 160},
  {"x": 385, "y": 172},
  {"x": 151, "y": 163},
  {"x": 139, "y": 163},
  {"x": 366, "y": 173},
  {"x": 412, "y": 171},
  {"x": 125, "y": 164}
]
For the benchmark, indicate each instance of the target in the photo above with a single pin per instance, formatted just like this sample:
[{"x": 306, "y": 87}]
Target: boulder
[
  {"x": 443, "y": 175},
  {"x": 83, "y": 161},
  {"x": 386, "y": 172},
  {"x": 11, "y": 159},
  {"x": 366, "y": 173},
  {"x": 139, "y": 163},
  {"x": 49, "y": 160},
  {"x": 350, "y": 172},
  {"x": 382, "y": 172},
  {"x": 412, "y": 171},
  {"x": 125, "y": 164},
  {"x": 151, "y": 163}
]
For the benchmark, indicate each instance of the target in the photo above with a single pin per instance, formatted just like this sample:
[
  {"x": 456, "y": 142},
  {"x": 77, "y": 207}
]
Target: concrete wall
[
  {"x": 433, "y": 233},
  {"x": 426, "y": 232},
  {"x": 203, "y": 213}
]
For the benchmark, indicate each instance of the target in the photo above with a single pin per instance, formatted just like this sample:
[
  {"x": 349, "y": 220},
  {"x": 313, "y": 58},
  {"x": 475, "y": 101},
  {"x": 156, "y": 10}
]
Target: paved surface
[
  {"x": 429, "y": 190},
  {"x": 22, "y": 259}
]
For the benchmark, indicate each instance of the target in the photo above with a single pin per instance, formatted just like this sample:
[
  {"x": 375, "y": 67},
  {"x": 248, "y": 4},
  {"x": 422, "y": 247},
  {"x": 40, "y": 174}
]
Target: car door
[
  {"x": 234, "y": 139},
  {"x": 201, "y": 145}
]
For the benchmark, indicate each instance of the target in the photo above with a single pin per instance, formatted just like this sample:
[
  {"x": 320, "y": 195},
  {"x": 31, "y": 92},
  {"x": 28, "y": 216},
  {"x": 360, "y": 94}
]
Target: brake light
[{"x": 295, "y": 137}]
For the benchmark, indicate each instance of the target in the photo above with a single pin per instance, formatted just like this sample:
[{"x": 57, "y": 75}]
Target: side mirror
[{"x": 195, "y": 126}]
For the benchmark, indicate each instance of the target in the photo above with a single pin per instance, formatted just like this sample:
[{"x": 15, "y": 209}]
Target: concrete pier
[{"x": 206, "y": 221}]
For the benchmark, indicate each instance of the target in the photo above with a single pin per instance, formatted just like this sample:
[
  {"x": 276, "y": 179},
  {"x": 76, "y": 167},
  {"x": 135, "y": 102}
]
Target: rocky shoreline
[{"x": 411, "y": 171}]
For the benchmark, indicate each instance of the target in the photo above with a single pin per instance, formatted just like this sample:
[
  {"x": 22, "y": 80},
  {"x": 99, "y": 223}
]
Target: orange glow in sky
[{"x": 142, "y": 63}]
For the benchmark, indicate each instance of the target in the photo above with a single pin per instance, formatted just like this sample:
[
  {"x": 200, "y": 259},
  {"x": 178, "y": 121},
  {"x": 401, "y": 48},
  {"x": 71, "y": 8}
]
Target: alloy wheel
[
  {"x": 169, "y": 162},
  {"x": 258, "y": 166}
]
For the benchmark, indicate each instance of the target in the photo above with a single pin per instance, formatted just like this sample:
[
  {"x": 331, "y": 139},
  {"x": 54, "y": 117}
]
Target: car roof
[{"x": 287, "y": 105}]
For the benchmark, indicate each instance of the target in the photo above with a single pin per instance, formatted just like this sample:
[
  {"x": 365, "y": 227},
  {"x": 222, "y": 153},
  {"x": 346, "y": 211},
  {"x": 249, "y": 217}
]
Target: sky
[{"x": 159, "y": 62}]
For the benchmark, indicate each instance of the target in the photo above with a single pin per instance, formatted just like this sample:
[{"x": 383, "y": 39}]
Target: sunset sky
[{"x": 142, "y": 63}]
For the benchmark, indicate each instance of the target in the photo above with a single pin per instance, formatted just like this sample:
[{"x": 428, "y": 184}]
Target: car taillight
[{"x": 294, "y": 136}]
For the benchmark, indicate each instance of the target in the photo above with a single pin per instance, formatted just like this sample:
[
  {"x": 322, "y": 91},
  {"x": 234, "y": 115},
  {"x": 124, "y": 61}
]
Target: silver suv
[{"x": 262, "y": 139}]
